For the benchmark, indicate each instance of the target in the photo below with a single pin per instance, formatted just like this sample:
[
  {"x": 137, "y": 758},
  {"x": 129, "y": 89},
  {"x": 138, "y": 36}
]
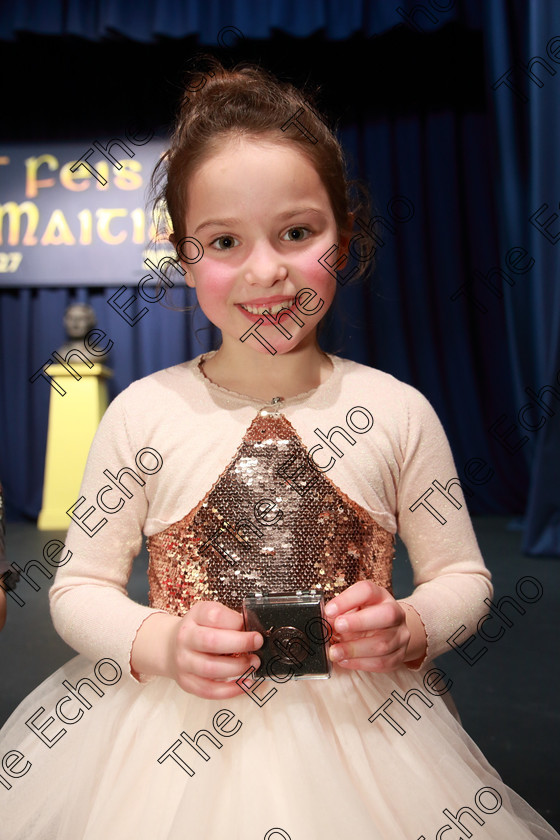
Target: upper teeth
[{"x": 259, "y": 310}]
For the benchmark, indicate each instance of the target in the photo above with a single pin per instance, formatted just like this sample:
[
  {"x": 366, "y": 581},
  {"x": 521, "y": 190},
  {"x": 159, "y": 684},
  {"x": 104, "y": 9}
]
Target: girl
[{"x": 266, "y": 465}]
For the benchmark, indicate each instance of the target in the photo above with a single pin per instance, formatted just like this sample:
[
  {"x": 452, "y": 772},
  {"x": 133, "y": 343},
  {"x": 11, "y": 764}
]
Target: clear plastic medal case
[{"x": 296, "y": 635}]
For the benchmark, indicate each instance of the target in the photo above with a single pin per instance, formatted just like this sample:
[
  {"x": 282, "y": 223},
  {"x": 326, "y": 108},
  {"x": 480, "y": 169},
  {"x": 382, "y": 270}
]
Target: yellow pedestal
[{"x": 73, "y": 421}]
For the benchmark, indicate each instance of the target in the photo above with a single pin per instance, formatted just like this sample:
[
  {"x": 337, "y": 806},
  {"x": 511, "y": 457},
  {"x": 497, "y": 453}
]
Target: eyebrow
[
  {"x": 217, "y": 223},
  {"x": 298, "y": 211}
]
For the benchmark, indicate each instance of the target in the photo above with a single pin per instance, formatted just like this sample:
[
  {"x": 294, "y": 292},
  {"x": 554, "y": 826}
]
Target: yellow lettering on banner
[
  {"x": 103, "y": 168},
  {"x": 104, "y": 217},
  {"x": 32, "y": 164},
  {"x": 10, "y": 262},
  {"x": 85, "y": 227},
  {"x": 138, "y": 226},
  {"x": 57, "y": 231},
  {"x": 67, "y": 177},
  {"x": 14, "y": 212},
  {"x": 128, "y": 178}
]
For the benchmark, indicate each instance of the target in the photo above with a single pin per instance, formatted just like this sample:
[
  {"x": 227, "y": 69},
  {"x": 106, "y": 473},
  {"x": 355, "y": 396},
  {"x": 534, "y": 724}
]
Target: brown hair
[{"x": 248, "y": 101}]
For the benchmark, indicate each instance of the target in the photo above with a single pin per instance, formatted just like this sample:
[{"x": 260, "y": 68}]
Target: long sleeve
[
  {"x": 450, "y": 578},
  {"x": 90, "y": 607}
]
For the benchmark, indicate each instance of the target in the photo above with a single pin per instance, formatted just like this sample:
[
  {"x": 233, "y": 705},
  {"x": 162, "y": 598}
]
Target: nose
[{"x": 265, "y": 266}]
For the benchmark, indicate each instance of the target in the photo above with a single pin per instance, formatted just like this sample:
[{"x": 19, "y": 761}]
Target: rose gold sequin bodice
[{"x": 270, "y": 523}]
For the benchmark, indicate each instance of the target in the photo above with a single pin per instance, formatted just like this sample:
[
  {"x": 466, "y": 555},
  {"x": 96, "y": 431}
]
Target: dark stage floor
[{"x": 508, "y": 700}]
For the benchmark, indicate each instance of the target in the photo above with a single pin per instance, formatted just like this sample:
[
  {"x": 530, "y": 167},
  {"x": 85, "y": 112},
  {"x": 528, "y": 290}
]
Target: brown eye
[
  {"x": 226, "y": 243},
  {"x": 297, "y": 234}
]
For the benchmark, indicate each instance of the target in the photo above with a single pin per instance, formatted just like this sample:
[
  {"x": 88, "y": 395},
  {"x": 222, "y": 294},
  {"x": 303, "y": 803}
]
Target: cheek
[
  {"x": 213, "y": 286},
  {"x": 317, "y": 278}
]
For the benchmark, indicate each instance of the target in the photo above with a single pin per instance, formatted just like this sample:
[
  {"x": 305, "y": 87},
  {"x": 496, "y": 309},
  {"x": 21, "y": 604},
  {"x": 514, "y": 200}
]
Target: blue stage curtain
[
  {"x": 444, "y": 311},
  {"x": 145, "y": 22},
  {"x": 527, "y": 184}
]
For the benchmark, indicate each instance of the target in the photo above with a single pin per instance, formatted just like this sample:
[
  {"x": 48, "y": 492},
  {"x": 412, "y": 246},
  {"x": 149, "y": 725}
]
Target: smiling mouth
[{"x": 272, "y": 310}]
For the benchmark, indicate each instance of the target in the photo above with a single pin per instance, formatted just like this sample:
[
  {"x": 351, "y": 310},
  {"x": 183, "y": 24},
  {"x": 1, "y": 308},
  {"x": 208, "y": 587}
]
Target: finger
[
  {"x": 215, "y": 614},
  {"x": 379, "y": 665},
  {"x": 211, "y": 667},
  {"x": 380, "y": 616},
  {"x": 359, "y": 594},
  {"x": 382, "y": 643},
  {"x": 215, "y": 640},
  {"x": 368, "y": 647}
]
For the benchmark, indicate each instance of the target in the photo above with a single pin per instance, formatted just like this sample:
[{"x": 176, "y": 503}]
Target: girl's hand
[
  {"x": 370, "y": 629},
  {"x": 209, "y": 646}
]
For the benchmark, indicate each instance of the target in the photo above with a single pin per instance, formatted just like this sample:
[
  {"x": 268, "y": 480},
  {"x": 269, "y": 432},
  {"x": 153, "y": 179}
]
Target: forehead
[{"x": 255, "y": 169}]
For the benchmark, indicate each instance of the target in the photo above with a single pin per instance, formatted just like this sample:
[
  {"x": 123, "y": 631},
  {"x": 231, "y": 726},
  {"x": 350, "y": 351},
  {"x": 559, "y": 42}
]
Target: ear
[
  {"x": 345, "y": 235},
  {"x": 189, "y": 279}
]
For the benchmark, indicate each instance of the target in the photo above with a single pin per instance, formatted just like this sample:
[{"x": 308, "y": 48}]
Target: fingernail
[
  {"x": 331, "y": 609},
  {"x": 341, "y": 625},
  {"x": 335, "y": 654}
]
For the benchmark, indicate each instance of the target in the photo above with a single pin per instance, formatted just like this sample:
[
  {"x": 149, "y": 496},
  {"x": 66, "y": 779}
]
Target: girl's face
[{"x": 264, "y": 218}]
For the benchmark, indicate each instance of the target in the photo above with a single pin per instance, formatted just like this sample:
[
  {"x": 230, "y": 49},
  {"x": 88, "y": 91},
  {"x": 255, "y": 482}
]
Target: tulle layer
[{"x": 304, "y": 759}]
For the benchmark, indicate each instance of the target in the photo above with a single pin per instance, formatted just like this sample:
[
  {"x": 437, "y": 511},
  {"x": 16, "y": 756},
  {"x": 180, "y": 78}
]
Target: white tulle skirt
[{"x": 303, "y": 762}]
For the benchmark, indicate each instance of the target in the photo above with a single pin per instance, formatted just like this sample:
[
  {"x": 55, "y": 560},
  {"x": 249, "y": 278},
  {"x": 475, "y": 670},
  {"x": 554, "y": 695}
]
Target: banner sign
[{"x": 73, "y": 215}]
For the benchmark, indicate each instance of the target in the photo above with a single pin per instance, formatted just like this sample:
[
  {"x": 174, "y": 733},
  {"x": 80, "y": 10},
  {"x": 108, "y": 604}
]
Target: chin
[{"x": 279, "y": 346}]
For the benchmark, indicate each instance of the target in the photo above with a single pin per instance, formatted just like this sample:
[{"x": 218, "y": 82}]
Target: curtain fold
[
  {"x": 145, "y": 22},
  {"x": 542, "y": 525},
  {"x": 526, "y": 137}
]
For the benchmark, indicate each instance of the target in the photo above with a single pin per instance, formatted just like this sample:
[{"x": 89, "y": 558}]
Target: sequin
[{"x": 316, "y": 536}]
